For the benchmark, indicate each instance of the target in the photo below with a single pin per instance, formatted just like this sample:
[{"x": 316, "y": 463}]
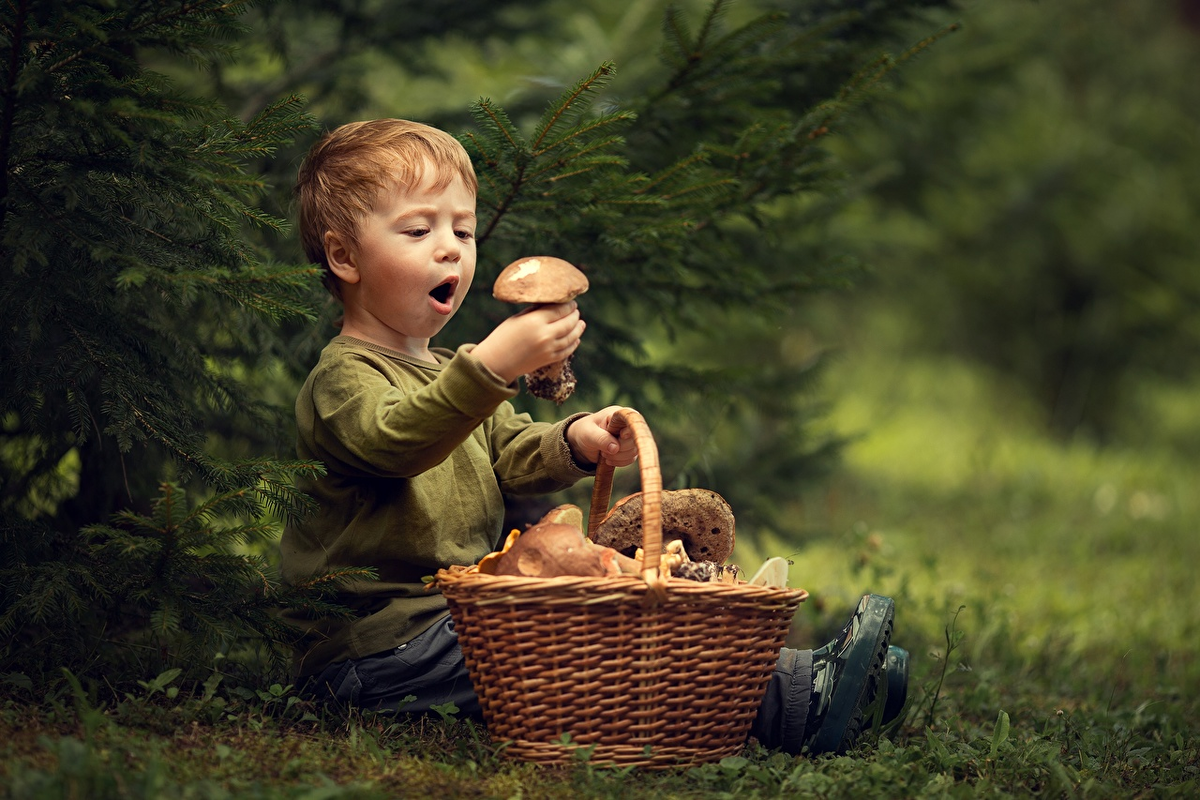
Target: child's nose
[{"x": 449, "y": 247}]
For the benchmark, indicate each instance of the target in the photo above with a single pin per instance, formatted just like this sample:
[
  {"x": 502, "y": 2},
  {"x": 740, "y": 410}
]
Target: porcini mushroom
[
  {"x": 564, "y": 515},
  {"x": 700, "y": 518},
  {"x": 548, "y": 550},
  {"x": 540, "y": 280}
]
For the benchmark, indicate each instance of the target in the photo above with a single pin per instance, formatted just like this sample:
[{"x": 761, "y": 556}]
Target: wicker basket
[{"x": 644, "y": 671}]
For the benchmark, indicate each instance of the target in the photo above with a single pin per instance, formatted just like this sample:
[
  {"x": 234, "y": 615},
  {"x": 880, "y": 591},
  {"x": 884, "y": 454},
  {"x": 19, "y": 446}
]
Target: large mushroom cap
[
  {"x": 539, "y": 279},
  {"x": 564, "y": 515},
  {"x": 700, "y": 518},
  {"x": 548, "y": 550}
]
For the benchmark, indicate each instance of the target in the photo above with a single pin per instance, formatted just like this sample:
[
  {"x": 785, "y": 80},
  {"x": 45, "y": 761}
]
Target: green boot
[{"x": 846, "y": 677}]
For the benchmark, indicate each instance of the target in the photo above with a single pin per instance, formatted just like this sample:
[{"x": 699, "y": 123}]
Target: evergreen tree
[{"x": 132, "y": 304}]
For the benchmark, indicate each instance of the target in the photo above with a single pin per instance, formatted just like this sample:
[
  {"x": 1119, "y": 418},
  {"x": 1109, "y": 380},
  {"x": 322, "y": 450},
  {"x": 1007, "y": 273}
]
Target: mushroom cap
[
  {"x": 487, "y": 564},
  {"x": 548, "y": 550},
  {"x": 566, "y": 514},
  {"x": 539, "y": 279},
  {"x": 701, "y": 518}
]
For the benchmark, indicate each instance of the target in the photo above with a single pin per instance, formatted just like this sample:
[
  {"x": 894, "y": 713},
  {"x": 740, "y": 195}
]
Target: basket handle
[{"x": 651, "y": 477}]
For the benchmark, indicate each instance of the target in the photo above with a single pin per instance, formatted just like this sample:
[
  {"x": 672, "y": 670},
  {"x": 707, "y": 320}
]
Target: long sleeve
[{"x": 417, "y": 456}]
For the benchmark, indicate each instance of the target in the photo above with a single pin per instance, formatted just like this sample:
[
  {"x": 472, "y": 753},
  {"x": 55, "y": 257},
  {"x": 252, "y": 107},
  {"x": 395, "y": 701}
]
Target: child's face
[{"x": 412, "y": 266}]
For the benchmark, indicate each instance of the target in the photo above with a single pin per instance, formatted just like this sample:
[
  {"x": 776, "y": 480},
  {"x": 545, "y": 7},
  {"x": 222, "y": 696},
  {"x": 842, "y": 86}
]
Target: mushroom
[
  {"x": 700, "y": 518},
  {"x": 566, "y": 515},
  {"x": 487, "y": 564},
  {"x": 548, "y": 550},
  {"x": 540, "y": 280},
  {"x": 773, "y": 572},
  {"x": 677, "y": 564}
]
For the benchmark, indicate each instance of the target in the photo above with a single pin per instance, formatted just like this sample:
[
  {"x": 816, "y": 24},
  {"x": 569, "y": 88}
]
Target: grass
[{"x": 1046, "y": 590}]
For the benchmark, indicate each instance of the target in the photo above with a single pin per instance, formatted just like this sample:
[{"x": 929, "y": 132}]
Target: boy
[{"x": 419, "y": 443}]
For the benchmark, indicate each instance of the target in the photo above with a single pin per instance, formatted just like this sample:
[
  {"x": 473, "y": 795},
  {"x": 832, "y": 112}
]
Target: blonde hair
[{"x": 344, "y": 172}]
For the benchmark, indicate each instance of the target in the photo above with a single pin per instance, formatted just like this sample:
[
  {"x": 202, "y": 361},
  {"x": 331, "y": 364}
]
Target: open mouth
[{"x": 444, "y": 291}]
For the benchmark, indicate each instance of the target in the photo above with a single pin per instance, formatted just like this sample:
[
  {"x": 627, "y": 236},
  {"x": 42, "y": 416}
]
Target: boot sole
[
  {"x": 859, "y": 683},
  {"x": 896, "y": 683}
]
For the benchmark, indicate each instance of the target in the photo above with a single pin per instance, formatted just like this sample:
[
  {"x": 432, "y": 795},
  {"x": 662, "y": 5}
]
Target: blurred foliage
[{"x": 1038, "y": 209}]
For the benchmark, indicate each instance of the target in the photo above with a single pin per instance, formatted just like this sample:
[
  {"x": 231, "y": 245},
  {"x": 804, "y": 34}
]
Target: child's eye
[
  {"x": 465, "y": 235},
  {"x": 417, "y": 232}
]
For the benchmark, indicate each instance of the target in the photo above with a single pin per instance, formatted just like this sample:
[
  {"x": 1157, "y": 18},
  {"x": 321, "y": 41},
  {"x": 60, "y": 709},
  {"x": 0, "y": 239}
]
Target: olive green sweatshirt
[{"x": 417, "y": 457}]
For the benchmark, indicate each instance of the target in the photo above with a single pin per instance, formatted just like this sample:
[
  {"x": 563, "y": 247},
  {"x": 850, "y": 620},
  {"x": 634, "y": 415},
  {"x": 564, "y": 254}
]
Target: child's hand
[
  {"x": 590, "y": 440},
  {"x": 534, "y": 338}
]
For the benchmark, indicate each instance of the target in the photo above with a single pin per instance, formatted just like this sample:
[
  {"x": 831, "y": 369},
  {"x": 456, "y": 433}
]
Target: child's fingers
[
  {"x": 620, "y": 450},
  {"x": 575, "y": 335},
  {"x": 559, "y": 326},
  {"x": 554, "y": 312}
]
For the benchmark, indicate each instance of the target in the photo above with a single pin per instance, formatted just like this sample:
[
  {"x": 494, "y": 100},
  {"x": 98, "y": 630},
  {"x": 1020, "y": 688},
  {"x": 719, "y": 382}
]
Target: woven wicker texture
[{"x": 643, "y": 671}]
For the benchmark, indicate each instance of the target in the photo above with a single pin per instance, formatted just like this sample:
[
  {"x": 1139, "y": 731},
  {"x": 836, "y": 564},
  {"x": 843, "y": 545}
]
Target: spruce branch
[
  {"x": 677, "y": 37},
  {"x": 566, "y": 145},
  {"x": 572, "y": 103},
  {"x": 498, "y": 128},
  {"x": 695, "y": 58},
  {"x": 177, "y": 573},
  {"x": 576, "y": 148},
  {"x": 501, "y": 134},
  {"x": 856, "y": 90},
  {"x": 124, "y": 26},
  {"x": 923, "y": 45}
]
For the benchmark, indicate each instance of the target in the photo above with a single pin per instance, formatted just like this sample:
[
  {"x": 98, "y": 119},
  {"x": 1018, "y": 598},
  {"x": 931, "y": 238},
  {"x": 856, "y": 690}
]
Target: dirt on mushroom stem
[{"x": 552, "y": 382}]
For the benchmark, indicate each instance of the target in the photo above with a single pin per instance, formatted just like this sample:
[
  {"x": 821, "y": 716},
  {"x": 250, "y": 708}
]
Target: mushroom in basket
[
  {"x": 539, "y": 280},
  {"x": 697, "y": 533},
  {"x": 700, "y": 518},
  {"x": 553, "y": 549}
]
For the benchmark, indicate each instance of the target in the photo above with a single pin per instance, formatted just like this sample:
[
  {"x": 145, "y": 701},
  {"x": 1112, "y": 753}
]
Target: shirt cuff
[{"x": 556, "y": 450}]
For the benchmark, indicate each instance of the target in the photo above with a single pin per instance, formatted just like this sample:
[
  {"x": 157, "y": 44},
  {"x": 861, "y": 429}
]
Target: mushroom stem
[{"x": 552, "y": 382}]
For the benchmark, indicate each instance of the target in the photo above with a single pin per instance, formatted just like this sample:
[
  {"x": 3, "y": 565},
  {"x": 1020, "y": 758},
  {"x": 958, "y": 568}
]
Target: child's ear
[{"x": 340, "y": 258}]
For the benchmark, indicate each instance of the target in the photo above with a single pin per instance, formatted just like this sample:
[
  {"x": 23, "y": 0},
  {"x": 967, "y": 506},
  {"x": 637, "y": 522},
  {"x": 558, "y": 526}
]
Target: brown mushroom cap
[
  {"x": 548, "y": 550},
  {"x": 564, "y": 515},
  {"x": 700, "y": 518},
  {"x": 539, "y": 279}
]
